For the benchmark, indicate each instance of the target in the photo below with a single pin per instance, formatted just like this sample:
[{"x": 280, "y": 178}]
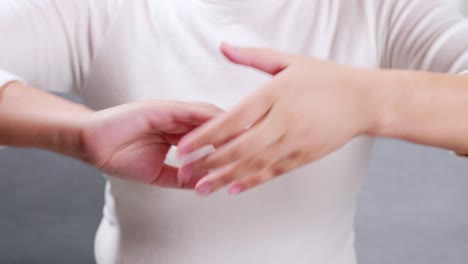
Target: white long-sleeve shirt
[{"x": 115, "y": 51}]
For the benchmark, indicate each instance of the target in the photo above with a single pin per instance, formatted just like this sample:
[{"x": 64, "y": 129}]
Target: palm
[
  {"x": 132, "y": 141},
  {"x": 142, "y": 160}
]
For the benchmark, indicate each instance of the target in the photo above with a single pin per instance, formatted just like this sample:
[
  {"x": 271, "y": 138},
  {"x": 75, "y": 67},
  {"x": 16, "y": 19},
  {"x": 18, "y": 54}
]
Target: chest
[{"x": 170, "y": 49}]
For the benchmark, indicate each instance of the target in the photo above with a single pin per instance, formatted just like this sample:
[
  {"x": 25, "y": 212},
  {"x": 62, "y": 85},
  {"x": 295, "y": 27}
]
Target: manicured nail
[
  {"x": 183, "y": 146},
  {"x": 205, "y": 189},
  {"x": 235, "y": 189}
]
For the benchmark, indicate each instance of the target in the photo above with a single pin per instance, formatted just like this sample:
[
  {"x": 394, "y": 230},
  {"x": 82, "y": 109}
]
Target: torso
[{"x": 168, "y": 49}]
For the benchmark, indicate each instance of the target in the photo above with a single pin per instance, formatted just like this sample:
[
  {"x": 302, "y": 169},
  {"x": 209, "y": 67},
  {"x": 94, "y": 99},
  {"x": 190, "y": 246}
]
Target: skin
[
  {"x": 311, "y": 108},
  {"x": 129, "y": 141}
]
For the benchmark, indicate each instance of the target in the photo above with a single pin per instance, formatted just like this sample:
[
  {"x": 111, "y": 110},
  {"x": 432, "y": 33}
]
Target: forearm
[
  {"x": 35, "y": 119},
  {"x": 424, "y": 108}
]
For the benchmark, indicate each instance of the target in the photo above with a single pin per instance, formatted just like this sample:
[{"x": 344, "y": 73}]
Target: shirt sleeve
[
  {"x": 50, "y": 44},
  {"x": 426, "y": 35}
]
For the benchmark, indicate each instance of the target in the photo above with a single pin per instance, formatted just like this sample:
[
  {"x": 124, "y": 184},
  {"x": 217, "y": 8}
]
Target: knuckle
[
  {"x": 258, "y": 164},
  {"x": 279, "y": 170},
  {"x": 295, "y": 155},
  {"x": 210, "y": 162},
  {"x": 226, "y": 179},
  {"x": 269, "y": 96},
  {"x": 235, "y": 153},
  {"x": 286, "y": 165},
  {"x": 254, "y": 181},
  {"x": 309, "y": 156},
  {"x": 199, "y": 168},
  {"x": 267, "y": 175}
]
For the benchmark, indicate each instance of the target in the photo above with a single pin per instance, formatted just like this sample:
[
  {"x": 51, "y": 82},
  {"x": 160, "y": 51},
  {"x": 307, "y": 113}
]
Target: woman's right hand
[{"x": 132, "y": 140}]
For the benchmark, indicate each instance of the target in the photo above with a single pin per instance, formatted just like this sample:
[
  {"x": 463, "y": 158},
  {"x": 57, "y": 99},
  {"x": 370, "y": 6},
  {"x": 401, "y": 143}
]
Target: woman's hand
[
  {"x": 131, "y": 140},
  {"x": 309, "y": 109}
]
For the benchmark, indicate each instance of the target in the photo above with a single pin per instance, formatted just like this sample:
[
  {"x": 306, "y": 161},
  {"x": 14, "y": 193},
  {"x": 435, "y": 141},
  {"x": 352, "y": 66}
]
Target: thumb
[{"x": 266, "y": 60}]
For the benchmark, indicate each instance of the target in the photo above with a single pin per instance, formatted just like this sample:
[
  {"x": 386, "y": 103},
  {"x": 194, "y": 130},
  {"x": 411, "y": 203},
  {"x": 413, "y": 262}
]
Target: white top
[{"x": 112, "y": 52}]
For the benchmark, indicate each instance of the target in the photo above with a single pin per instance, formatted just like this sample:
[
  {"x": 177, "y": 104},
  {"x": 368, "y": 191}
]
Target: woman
[{"x": 331, "y": 93}]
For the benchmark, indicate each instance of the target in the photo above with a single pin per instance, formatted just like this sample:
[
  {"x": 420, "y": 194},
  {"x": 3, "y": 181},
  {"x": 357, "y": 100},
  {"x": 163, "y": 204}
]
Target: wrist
[
  {"x": 374, "y": 101},
  {"x": 383, "y": 93},
  {"x": 69, "y": 136},
  {"x": 32, "y": 118}
]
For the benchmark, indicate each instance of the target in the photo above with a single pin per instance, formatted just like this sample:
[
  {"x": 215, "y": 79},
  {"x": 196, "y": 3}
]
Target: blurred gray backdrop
[{"x": 414, "y": 207}]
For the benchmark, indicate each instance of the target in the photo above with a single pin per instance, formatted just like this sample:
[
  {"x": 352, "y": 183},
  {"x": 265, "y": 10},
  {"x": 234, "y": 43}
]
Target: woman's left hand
[{"x": 309, "y": 109}]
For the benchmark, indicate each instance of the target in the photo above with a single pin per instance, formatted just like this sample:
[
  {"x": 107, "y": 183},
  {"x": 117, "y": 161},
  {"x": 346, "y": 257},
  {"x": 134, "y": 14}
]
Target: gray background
[{"x": 413, "y": 208}]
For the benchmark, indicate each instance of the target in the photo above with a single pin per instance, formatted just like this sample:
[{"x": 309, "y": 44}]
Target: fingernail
[
  {"x": 182, "y": 147},
  {"x": 182, "y": 150},
  {"x": 204, "y": 189},
  {"x": 235, "y": 189}
]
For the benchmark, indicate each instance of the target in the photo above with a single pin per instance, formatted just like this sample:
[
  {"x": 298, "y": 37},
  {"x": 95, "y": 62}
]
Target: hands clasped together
[{"x": 309, "y": 109}]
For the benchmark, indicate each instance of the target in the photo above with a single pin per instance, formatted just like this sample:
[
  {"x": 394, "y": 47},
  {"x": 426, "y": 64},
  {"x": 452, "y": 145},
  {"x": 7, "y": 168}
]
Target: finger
[
  {"x": 249, "y": 145},
  {"x": 195, "y": 113},
  {"x": 265, "y": 60},
  {"x": 192, "y": 182},
  {"x": 206, "y": 105},
  {"x": 278, "y": 169},
  {"x": 232, "y": 123},
  {"x": 250, "y": 182},
  {"x": 167, "y": 177},
  {"x": 168, "y": 181},
  {"x": 219, "y": 178},
  {"x": 233, "y": 172},
  {"x": 253, "y": 142},
  {"x": 178, "y": 129},
  {"x": 164, "y": 117},
  {"x": 196, "y": 165},
  {"x": 250, "y": 168},
  {"x": 189, "y": 171},
  {"x": 173, "y": 139},
  {"x": 193, "y": 164}
]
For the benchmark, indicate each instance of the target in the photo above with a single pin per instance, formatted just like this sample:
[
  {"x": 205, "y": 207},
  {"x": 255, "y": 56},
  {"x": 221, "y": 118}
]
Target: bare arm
[
  {"x": 129, "y": 141},
  {"x": 325, "y": 111},
  {"x": 32, "y": 118},
  {"x": 51, "y": 45},
  {"x": 425, "y": 108},
  {"x": 322, "y": 112}
]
